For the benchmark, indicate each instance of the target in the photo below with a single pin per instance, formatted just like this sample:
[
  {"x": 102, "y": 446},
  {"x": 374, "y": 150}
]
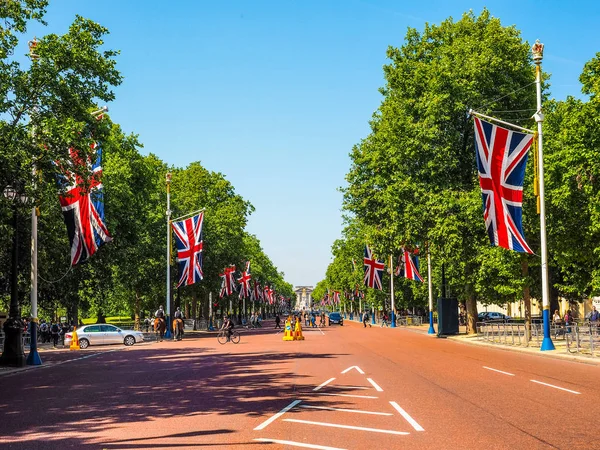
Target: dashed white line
[
  {"x": 339, "y": 386},
  {"x": 556, "y": 387},
  {"x": 409, "y": 419},
  {"x": 323, "y": 384},
  {"x": 276, "y": 416},
  {"x": 346, "y": 395},
  {"x": 375, "y": 385},
  {"x": 353, "y": 367},
  {"x": 347, "y": 410},
  {"x": 348, "y": 427},
  {"x": 499, "y": 371},
  {"x": 297, "y": 444}
]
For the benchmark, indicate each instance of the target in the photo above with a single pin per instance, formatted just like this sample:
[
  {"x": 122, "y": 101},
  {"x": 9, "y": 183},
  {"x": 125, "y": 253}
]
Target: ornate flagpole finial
[
  {"x": 168, "y": 177},
  {"x": 538, "y": 51}
]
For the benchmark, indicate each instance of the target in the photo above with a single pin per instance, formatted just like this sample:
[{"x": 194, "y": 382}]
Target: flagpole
[
  {"x": 393, "y": 308},
  {"x": 430, "y": 285},
  {"x": 538, "y": 53},
  {"x": 168, "y": 304}
]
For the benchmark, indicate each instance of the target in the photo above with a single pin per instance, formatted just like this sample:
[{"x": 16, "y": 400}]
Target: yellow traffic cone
[
  {"x": 75, "y": 340},
  {"x": 298, "y": 331},
  {"x": 288, "y": 334}
]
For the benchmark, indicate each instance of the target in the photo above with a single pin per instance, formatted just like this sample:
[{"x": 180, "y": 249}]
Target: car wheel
[
  {"x": 129, "y": 341},
  {"x": 84, "y": 343}
]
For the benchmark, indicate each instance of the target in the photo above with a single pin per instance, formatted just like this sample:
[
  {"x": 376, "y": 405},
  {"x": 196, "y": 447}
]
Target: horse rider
[
  {"x": 178, "y": 324},
  {"x": 160, "y": 313}
]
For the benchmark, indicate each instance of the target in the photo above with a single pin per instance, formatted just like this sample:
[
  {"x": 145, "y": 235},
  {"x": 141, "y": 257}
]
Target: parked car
[
  {"x": 336, "y": 317},
  {"x": 492, "y": 316},
  {"x": 101, "y": 334}
]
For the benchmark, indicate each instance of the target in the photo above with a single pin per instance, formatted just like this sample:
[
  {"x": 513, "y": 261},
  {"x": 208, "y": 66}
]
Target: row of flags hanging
[{"x": 408, "y": 267}]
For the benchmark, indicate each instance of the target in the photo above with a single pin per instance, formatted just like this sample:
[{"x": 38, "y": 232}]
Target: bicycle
[{"x": 222, "y": 337}]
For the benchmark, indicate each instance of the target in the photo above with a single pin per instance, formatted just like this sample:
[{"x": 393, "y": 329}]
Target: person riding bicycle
[{"x": 228, "y": 325}]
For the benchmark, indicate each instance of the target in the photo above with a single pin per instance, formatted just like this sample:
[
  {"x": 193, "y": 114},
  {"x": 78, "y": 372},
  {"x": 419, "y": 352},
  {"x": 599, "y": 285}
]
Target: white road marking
[
  {"x": 375, "y": 385},
  {"x": 348, "y": 427},
  {"x": 298, "y": 444},
  {"x": 347, "y": 410},
  {"x": 409, "y": 419},
  {"x": 321, "y": 331},
  {"x": 499, "y": 371},
  {"x": 323, "y": 384},
  {"x": 556, "y": 387},
  {"x": 346, "y": 395},
  {"x": 339, "y": 386},
  {"x": 353, "y": 367},
  {"x": 276, "y": 416}
]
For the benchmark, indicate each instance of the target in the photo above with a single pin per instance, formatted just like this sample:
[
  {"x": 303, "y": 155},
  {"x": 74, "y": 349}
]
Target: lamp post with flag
[
  {"x": 393, "y": 304},
  {"x": 538, "y": 53},
  {"x": 430, "y": 288},
  {"x": 168, "y": 300}
]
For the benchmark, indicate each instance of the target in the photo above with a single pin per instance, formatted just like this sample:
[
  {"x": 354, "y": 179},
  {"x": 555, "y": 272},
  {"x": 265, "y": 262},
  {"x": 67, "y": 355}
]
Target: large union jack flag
[
  {"x": 373, "y": 270},
  {"x": 410, "y": 268},
  {"x": 501, "y": 160},
  {"x": 244, "y": 282},
  {"x": 188, "y": 239},
  {"x": 83, "y": 206}
]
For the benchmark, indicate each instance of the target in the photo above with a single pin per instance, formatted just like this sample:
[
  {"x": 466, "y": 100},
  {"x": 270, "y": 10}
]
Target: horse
[
  {"x": 160, "y": 326},
  {"x": 178, "y": 329}
]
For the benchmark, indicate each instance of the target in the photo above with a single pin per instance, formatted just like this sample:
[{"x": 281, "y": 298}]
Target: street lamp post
[
  {"x": 13, "y": 354},
  {"x": 168, "y": 305}
]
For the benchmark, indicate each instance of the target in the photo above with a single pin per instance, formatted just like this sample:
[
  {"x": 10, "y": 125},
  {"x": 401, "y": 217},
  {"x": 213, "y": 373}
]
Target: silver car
[{"x": 100, "y": 334}]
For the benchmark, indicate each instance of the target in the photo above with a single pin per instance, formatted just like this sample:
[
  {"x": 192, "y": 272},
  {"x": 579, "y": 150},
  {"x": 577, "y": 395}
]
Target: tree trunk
[
  {"x": 136, "y": 325},
  {"x": 526, "y": 299},
  {"x": 194, "y": 307},
  {"x": 471, "y": 315}
]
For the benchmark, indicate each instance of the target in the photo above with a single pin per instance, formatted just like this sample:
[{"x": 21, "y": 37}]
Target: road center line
[
  {"x": 353, "y": 367},
  {"x": 499, "y": 371},
  {"x": 276, "y": 416},
  {"x": 323, "y": 384},
  {"x": 346, "y": 395},
  {"x": 348, "y": 427},
  {"x": 375, "y": 385},
  {"x": 556, "y": 387},
  {"x": 298, "y": 444},
  {"x": 347, "y": 410},
  {"x": 339, "y": 386},
  {"x": 409, "y": 419}
]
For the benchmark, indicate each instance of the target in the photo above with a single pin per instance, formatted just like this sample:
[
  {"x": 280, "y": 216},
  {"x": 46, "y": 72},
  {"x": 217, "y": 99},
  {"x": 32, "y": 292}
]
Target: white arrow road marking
[
  {"x": 276, "y": 416},
  {"x": 323, "y": 384},
  {"x": 347, "y": 410},
  {"x": 348, "y": 427},
  {"x": 499, "y": 371},
  {"x": 409, "y": 419},
  {"x": 298, "y": 444},
  {"x": 346, "y": 395},
  {"x": 556, "y": 387},
  {"x": 353, "y": 367},
  {"x": 375, "y": 385}
]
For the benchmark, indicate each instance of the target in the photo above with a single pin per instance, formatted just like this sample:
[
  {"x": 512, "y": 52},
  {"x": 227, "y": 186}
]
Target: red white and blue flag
[
  {"x": 335, "y": 297},
  {"x": 244, "y": 282},
  {"x": 82, "y": 204},
  {"x": 188, "y": 239},
  {"x": 410, "y": 268},
  {"x": 501, "y": 160},
  {"x": 373, "y": 270},
  {"x": 256, "y": 294},
  {"x": 228, "y": 283}
]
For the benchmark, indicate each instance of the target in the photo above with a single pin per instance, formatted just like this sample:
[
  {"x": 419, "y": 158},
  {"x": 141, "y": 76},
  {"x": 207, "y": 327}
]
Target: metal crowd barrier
[
  {"x": 583, "y": 338},
  {"x": 408, "y": 321}
]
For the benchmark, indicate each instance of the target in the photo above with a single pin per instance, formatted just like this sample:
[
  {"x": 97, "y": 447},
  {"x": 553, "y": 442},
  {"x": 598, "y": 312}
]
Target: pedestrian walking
[
  {"x": 384, "y": 320},
  {"x": 55, "y": 332},
  {"x": 366, "y": 320},
  {"x": 277, "y": 322}
]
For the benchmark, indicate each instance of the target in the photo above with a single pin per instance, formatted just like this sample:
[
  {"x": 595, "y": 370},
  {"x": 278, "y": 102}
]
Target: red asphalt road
[{"x": 198, "y": 394}]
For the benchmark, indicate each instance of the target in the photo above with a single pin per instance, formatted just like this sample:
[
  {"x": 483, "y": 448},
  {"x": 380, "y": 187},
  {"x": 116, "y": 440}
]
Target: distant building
[{"x": 303, "y": 297}]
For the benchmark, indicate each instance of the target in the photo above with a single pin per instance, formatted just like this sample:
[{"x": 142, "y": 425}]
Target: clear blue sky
[{"x": 274, "y": 94}]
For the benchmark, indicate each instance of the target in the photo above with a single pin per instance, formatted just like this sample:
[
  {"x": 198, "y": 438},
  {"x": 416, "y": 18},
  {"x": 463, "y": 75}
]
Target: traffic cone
[
  {"x": 75, "y": 340},
  {"x": 288, "y": 334},
  {"x": 298, "y": 331}
]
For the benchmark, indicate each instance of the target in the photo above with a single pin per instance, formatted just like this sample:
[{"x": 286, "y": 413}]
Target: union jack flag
[
  {"x": 244, "y": 282},
  {"x": 228, "y": 283},
  {"x": 188, "y": 239},
  {"x": 501, "y": 160},
  {"x": 410, "y": 268},
  {"x": 83, "y": 207},
  {"x": 373, "y": 270},
  {"x": 256, "y": 294},
  {"x": 335, "y": 297}
]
